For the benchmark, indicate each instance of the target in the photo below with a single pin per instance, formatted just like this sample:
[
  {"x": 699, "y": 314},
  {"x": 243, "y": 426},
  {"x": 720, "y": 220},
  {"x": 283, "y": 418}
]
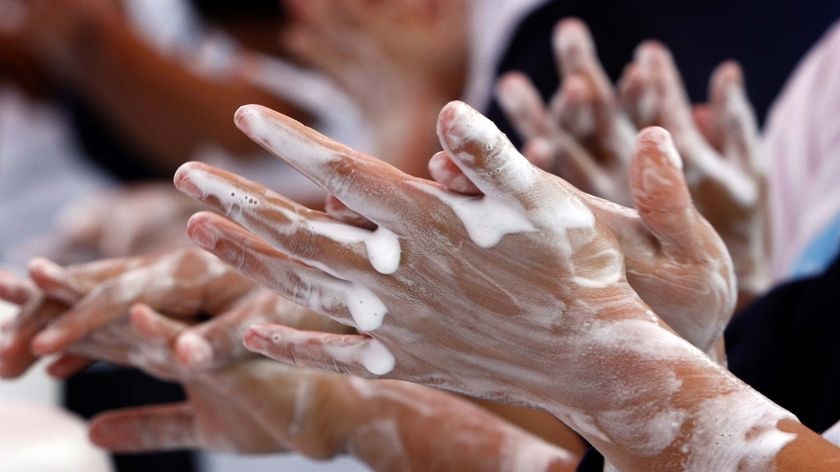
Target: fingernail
[
  {"x": 46, "y": 341},
  {"x": 194, "y": 350},
  {"x": 203, "y": 236},
  {"x": 185, "y": 185},
  {"x": 257, "y": 339}
]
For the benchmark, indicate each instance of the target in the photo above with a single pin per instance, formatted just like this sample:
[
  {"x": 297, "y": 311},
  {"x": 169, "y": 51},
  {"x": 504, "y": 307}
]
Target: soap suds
[
  {"x": 382, "y": 245},
  {"x": 487, "y": 220},
  {"x": 736, "y": 431},
  {"x": 373, "y": 355}
]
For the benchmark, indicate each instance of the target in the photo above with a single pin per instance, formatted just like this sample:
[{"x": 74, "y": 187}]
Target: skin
[
  {"x": 400, "y": 61},
  {"x": 123, "y": 222},
  {"x": 450, "y": 296},
  {"x": 154, "y": 102},
  {"x": 186, "y": 284},
  {"x": 239, "y": 403},
  {"x": 586, "y": 136}
]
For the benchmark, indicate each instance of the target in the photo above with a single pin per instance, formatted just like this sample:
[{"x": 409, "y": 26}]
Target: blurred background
[{"x": 101, "y": 100}]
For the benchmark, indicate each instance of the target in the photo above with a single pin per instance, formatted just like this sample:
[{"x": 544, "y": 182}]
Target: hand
[
  {"x": 584, "y": 136},
  {"x": 400, "y": 61},
  {"x": 240, "y": 404},
  {"x": 587, "y": 136},
  {"x": 60, "y": 32},
  {"x": 185, "y": 284},
  {"x": 127, "y": 221},
  {"x": 517, "y": 295},
  {"x": 719, "y": 141},
  {"x": 674, "y": 259},
  {"x": 260, "y": 406}
]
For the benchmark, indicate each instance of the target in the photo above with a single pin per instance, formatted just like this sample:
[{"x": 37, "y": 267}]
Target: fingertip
[
  {"x": 508, "y": 90},
  {"x": 142, "y": 318},
  {"x": 726, "y": 78},
  {"x": 201, "y": 231},
  {"x": 43, "y": 267},
  {"x": 104, "y": 430},
  {"x": 49, "y": 341},
  {"x": 540, "y": 152},
  {"x": 247, "y": 116},
  {"x": 184, "y": 183},
  {"x": 466, "y": 134},
  {"x": 571, "y": 36},
  {"x": 193, "y": 350},
  {"x": 730, "y": 72},
  {"x": 650, "y": 52},
  {"x": 445, "y": 172},
  {"x": 449, "y": 115},
  {"x": 655, "y": 143},
  {"x": 257, "y": 338}
]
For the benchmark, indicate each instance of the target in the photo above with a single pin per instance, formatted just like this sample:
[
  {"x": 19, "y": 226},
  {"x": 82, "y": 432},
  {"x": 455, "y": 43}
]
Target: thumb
[
  {"x": 659, "y": 190},
  {"x": 343, "y": 353},
  {"x": 153, "y": 428}
]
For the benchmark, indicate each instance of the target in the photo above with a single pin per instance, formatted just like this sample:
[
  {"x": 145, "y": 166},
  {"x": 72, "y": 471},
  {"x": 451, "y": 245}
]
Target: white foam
[
  {"x": 382, "y": 245},
  {"x": 736, "y": 431},
  {"x": 373, "y": 355},
  {"x": 367, "y": 309},
  {"x": 486, "y": 219}
]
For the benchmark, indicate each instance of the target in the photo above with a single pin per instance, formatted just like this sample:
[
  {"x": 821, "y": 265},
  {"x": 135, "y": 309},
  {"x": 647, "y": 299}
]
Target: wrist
[
  {"x": 402, "y": 431},
  {"x": 649, "y": 400}
]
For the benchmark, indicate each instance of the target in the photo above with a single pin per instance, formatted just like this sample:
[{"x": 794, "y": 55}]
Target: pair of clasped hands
[{"x": 496, "y": 280}]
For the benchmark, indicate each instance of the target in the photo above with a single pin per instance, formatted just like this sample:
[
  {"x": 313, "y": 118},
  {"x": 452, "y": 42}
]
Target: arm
[
  {"x": 157, "y": 103},
  {"x": 586, "y": 137},
  {"x": 237, "y": 403},
  {"x": 517, "y": 295}
]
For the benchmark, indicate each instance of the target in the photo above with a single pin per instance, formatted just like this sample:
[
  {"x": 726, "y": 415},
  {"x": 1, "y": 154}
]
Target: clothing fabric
[{"x": 802, "y": 147}]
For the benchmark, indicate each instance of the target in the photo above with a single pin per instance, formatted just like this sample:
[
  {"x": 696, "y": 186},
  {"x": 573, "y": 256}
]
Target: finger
[
  {"x": 369, "y": 186},
  {"x": 660, "y": 192},
  {"x": 109, "y": 301},
  {"x": 575, "y": 54},
  {"x": 342, "y": 353},
  {"x": 152, "y": 428},
  {"x": 704, "y": 119},
  {"x": 307, "y": 235},
  {"x": 16, "y": 290},
  {"x": 446, "y": 173},
  {"x": 637, "y": 95},
  {"x": 523, "y": 105},
  {"x": 736, "y": 125},
  {"x": 71, "y": 283},
  {"x": 218, "y": 342},
  {"x": 542, "y": 153},
  {"x": 348, "y": 303},
  {"x": 341, "y": 212},
  {"x": 68, "y": 365},
  {"x": 54, "y": 281},
  {"x": 483, "y": 153},
  {"x": 15, "y": 356},
  {"x": 673, "y": 109},
  {"x": 574, "y": 107},
  {"x": 16, "y": 334},
  {"x": 153, "y": 326}
]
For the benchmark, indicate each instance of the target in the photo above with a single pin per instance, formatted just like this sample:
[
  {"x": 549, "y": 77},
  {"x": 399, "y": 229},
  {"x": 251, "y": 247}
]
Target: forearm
[
  {"x": 157, "y": 103},
  {"x": 659, "y": 404},
  {"x": 417, "y": 428}
]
